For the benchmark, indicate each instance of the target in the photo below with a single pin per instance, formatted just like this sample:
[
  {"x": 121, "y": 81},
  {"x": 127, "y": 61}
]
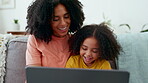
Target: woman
[{"x": 50, "y": 23}]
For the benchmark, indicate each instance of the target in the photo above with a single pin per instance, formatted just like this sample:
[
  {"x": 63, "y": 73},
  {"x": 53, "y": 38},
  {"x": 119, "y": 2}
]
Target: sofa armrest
[
  {"x": 134, "y": 57},
  {"x": 15, "y": 65}
]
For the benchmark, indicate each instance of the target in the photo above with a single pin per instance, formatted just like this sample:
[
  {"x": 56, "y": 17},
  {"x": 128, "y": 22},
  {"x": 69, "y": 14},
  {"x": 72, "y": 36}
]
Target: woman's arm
[{"x": 33, "y": 55}]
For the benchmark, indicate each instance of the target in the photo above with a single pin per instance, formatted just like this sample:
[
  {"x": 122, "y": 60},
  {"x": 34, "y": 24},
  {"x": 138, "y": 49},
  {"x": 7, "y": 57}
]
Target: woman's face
[
  {"x": 89, "y": 51},
  {"x": 60, "y": 21}
]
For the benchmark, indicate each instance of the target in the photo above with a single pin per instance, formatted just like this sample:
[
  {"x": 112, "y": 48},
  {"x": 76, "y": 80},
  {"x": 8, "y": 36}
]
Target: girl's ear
[{"x": 99, "y": 56}]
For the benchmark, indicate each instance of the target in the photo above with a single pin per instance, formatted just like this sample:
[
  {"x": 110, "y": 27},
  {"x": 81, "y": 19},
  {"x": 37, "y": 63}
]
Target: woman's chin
[{"x": 61, "y": 35}]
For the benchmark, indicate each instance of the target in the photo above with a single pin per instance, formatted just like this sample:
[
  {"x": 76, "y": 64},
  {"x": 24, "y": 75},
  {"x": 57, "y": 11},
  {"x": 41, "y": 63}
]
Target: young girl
[{"x": 93, "y": 45}]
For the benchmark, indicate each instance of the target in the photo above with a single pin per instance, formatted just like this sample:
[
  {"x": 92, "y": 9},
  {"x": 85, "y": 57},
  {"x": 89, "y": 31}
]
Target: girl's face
[
  {"x": 60, "y": 21},
  {"x": 89, "y": 51}
]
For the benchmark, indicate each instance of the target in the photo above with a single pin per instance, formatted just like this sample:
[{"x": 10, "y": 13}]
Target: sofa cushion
[{"x": 15, "y": 67}]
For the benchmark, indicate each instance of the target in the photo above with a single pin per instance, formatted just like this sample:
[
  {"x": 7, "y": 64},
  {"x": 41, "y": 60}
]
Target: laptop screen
[{"x": 71, "y": 75}]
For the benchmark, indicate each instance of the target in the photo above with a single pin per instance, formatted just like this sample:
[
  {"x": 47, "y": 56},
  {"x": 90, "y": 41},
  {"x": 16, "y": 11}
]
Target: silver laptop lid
[{"x": 68, "y": 75}]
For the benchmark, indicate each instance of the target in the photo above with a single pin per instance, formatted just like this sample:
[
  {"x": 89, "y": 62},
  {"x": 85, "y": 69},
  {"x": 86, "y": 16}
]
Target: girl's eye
[
  {"x": 95, "y": 51},
  {"x": 84, "y": 48}
]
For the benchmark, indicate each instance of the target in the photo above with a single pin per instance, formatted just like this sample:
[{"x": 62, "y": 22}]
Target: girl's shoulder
[{"x": 75, "y": 57}]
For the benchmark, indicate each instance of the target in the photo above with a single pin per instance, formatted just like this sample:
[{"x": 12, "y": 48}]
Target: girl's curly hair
[
  {"x": 109, "y": 47},
  {"x": 40, "y": 14}
]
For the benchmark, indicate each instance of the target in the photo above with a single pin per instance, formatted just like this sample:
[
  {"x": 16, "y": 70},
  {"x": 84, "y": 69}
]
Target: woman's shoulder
[{"x": 33, "y": 39}]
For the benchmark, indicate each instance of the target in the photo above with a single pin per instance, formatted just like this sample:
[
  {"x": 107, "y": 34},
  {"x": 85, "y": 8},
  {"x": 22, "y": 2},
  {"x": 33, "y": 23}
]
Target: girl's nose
[{"x": 88, "y": 54}]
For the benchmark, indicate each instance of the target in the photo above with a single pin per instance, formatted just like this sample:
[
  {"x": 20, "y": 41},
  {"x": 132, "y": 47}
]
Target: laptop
[{"x": 73, "y": 75}]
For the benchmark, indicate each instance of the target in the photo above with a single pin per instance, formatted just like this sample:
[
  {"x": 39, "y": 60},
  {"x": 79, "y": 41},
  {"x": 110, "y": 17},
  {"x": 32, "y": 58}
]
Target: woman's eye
[
  {"x": 67, "y": 16},
  {"x": 55, "y": 19}
]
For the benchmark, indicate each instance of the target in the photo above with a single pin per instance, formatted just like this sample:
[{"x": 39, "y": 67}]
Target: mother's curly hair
[
  {"x": 40, "y": 14},
  {"x": 108, "y": 46}
]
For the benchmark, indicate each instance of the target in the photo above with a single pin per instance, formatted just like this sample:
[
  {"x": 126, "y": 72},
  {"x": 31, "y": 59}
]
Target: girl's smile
[{"x": 89, "y": 51}]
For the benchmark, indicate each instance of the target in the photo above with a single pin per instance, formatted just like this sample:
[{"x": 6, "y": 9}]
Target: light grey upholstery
[{"x": 15, "y": 65}]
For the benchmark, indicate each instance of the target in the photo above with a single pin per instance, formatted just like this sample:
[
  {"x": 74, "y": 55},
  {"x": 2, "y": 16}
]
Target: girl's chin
[{"x": 88, "y": 63}]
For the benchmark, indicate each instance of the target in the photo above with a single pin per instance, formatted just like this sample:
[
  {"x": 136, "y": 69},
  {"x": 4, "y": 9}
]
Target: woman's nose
[{"x": 62, "y": 22}]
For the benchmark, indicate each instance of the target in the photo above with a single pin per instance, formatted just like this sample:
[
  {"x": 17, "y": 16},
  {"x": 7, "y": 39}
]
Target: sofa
[{"x": 133, "y": 58}]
